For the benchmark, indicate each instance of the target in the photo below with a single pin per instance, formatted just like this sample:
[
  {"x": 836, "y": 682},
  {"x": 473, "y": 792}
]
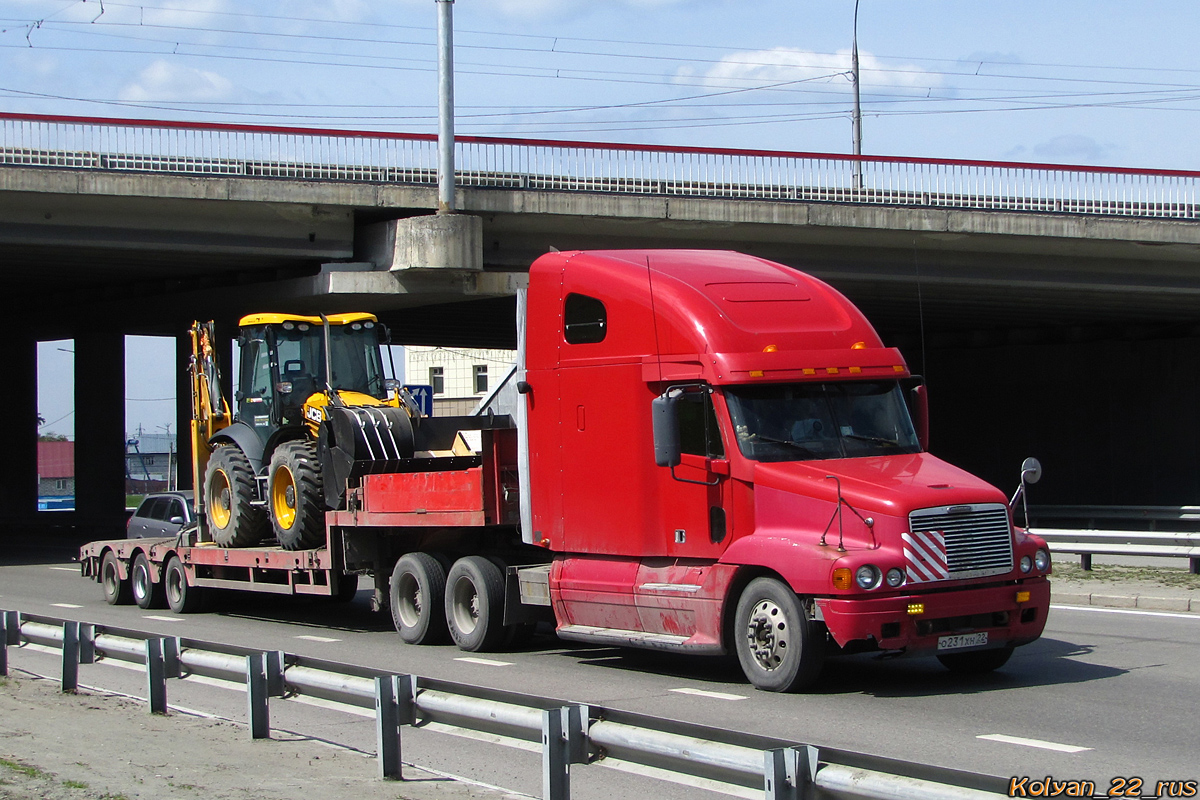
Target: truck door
[{"x": 694, "y": 519}]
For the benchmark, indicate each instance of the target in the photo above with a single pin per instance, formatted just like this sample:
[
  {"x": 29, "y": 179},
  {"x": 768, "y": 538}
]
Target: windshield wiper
[
  {"x": 872, "y": 439},
  {"x": 788, "y": 442}
]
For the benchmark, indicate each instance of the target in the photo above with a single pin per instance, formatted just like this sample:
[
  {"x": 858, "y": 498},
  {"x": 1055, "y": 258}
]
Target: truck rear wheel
[
  {"x": 976, "y": 662},
  {"x": 297, "y": 500},
  {"x": 776, "y": 643},
  {"x": 228, "y": 492},
  {"x": 146, "y": 593},
  {"x": 116, "y": 591},
  {"x": 417, "y": 595},
  {"x": 182, "y": 599},
  {"x": 475, "y": 604}
]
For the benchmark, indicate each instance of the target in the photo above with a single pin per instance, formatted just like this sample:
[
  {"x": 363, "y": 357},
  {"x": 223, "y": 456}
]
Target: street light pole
[
  {"x": 445, "y": 106},
  {"x": 854, "y": 77}
]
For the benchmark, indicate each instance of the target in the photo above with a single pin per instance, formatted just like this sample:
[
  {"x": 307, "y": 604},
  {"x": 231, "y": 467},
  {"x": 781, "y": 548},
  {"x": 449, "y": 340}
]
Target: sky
[{"x": 1097, "y": 83}]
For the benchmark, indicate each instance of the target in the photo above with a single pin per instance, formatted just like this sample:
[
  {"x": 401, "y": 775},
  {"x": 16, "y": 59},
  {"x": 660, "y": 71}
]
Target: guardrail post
[
  {"x": 13, "y": 623},
  {"x": 276, "y": 664},
  {"x": 1194, "y": 565},
  {"x": 3, "y": 644},
  {"x": 563, "y": 744},
  {"x": 172, "y": 666},
  {"x": 1085, "y": 562},
  {"x": 789, "y": 773},
  {"x": 388, "y": 700},
  {"x": 87, "y": 643},
  {"x": 70, "y": 657},
  {"x": 256, "y": 696},
  {"x": 156, "y": 678}
]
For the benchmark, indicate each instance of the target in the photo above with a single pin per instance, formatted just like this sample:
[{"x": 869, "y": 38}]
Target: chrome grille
[{"x": 978, "y": 540}]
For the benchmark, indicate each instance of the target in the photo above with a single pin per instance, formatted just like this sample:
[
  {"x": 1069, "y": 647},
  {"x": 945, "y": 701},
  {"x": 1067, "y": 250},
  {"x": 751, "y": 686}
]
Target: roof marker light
[
  {"x": 756, "y": 373},
  {"x": 859, "y": 346},
  {"x": 771, "y": 348},
  {"x": 898, "y": 368},
  {"x": 832, "y": 370},
  {"x": 809, "y": 371},
  {"x": 855, "y": 370}
]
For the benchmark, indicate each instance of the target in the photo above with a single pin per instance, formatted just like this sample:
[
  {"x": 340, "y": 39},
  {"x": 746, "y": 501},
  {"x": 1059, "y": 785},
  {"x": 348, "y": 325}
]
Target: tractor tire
[
  {"x": 228, "y": 493},
  {"x": 296, "y": 498}
]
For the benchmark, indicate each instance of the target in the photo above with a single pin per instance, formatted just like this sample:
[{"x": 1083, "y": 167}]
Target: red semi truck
[{"x": 699, "y": 451}]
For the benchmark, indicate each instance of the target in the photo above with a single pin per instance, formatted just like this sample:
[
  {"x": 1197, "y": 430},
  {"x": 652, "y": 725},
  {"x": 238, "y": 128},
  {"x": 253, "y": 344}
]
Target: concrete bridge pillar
[
  {"x": 18, "y": 467},
  {"x": 100, "y": 431}
]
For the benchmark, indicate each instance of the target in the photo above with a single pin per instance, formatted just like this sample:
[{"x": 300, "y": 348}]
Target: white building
[{"x": 460, "y": 377}]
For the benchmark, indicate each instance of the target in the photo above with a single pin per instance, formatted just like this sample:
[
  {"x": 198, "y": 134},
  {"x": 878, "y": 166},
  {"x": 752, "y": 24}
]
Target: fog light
[
  {"x": 916, "y": 608},
  {"x": 1041, "y": 560},
  {"x": 895, "y": 577},
  {"x": 841, "y": 578},
  {"x": 1026, "y": 563},
  {"x": 868, "y": 576}
]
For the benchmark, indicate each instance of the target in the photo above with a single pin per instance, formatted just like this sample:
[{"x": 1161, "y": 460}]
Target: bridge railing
[{"x": 86, "y": 143}]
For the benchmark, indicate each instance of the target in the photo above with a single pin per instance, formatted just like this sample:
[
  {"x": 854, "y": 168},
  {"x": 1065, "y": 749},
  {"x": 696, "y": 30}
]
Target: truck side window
[
  {"x": 698, "y": 431},
  {"x": 585, "y": 320}
]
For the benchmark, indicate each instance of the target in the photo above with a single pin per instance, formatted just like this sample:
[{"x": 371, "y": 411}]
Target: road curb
[{"x": 1110, "y": 600}]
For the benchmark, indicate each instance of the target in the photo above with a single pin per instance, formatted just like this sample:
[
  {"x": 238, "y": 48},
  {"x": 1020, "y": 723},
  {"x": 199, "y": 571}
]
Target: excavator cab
[{"x": 314, "y": 411}]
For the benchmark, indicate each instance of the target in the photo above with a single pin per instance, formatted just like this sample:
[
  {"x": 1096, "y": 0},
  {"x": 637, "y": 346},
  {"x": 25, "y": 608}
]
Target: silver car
[{"x": 160, "y": 514}]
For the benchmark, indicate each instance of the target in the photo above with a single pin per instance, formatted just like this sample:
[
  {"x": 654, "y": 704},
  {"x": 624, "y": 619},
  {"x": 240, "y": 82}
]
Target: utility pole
[
  {"x": 854, "y": 77},
  {"x": 445, "y": 106}
]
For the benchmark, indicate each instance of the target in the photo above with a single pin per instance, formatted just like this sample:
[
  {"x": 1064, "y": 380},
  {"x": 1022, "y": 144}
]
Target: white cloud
[
  {"x": 1072, "y": 148},
  {"x": 784, "y": 64},
  {"x": 531, "y": 9},
  {"x": 163, "y": 80}
]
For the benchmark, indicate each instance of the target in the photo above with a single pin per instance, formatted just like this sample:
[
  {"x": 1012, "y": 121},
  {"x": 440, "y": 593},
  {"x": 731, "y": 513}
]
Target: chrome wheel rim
[{"x": 768, "y": 633}]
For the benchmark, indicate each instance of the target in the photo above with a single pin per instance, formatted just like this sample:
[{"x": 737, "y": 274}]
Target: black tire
[
  {"x": 228, "y": 495},
  {"x": 417, "y": 595},
  {"x": 778, "y": 646},
  {"x": 475, "y": 604},
  {"x": 181, "y": 598},
  {"x": 117, "y": 592},
  {"x": 295, "y": 496},
  {"x": 146, "y": 593},
  {"x": 976, "y": 662}
]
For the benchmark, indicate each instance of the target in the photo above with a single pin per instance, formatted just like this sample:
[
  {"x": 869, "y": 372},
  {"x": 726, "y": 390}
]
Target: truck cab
[{"x": 723, "y": 456}]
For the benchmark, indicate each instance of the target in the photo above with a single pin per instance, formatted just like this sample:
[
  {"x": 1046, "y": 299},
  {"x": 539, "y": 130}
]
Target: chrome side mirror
[{"x": 1031, "y": 473}]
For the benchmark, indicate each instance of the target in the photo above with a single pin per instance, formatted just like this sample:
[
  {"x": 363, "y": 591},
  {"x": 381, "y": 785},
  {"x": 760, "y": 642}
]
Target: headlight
[
  {"x": 867, "y": 576},
  {"x": 895, "y": 577},
  {"x": 1026, "y": 563},
  {"x": 1041, "y": 560}
]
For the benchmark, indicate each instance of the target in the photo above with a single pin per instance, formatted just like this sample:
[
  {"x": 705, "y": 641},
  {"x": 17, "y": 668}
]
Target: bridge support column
[
  {"x": 18, "y": 466},
  {"x": 100, "y": 431},
  {"x": 441, "y": 241},
  {"x": 183, "y": 407}
]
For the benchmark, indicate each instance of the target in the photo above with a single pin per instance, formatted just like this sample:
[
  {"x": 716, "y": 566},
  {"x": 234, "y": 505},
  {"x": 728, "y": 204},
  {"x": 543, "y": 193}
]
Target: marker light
[
  {"x": 1026, "y": 563},
  {"x": 771, "y": 349},
  {"x": 1022, "y": 597},
  {"x": 859, "y": 346},
  {"x": 897, "y": 368},
  {"x": 1041, "y": 560},
  {"x": 756, "y": 373},
  {"x": 916, "y": 608},
  {"x": 841, "y": 578}
]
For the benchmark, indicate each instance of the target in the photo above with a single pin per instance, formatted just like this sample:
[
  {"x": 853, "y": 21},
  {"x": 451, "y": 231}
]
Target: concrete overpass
[{"x": 1053, "y": 309}]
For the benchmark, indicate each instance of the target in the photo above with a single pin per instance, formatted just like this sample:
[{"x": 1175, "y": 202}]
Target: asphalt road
[{"x": 1105, "y": 693}]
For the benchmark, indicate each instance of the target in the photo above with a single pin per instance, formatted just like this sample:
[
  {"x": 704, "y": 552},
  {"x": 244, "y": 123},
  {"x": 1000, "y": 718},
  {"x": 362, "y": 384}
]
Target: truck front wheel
[
  {"x": 417, "y": 595},
  {"x": 475, "y": 604},
  {"x": 777, "y": 644}
]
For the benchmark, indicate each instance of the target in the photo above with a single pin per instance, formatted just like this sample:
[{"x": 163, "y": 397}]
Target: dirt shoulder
[{"x": 56, "y": 746}]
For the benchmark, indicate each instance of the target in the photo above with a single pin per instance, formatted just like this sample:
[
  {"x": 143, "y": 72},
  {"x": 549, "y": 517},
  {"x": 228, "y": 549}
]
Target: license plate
[{"x": 962, "y": 640}]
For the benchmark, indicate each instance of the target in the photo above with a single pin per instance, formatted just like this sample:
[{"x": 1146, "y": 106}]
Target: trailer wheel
[
  {"x": 182, "y": 599},
  {"x": 417, "y": 595},
  {"x": 777, "y": 645},
  {"x": 116, "y": 591},
  {"x": 146, "y": 593},
  {"x": 976, "y": 662},
  {"x": 475, "y": 604},
  {"x": 228, "y": 494},
  {"x": 297, "y": 499}
]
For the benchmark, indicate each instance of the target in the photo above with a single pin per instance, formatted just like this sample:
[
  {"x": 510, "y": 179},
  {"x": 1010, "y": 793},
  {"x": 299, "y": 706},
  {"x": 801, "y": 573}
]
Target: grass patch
[
  {"x": 113, "y": 797},
  {"x": 23, "y": 769},
  {"x": 75, "y": 784},
  {"x": 1114, "y": 573}
]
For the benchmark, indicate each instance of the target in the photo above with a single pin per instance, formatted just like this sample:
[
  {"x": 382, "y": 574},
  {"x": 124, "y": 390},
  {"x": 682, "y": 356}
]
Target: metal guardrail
[
  {"x": 1120, "y": 531},
  {"x": 125, "y": 145},
  {"x": 570, "y": 734}
]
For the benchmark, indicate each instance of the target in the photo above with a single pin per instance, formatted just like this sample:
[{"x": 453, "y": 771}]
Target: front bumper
[{"x": 884, "y": 623}]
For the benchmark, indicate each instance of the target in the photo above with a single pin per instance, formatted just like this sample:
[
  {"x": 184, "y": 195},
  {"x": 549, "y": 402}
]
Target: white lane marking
[
  {"x": 486, "y": 662},
  {"x": 65, "y": 605},
  {"x": 162, "y": 619},
  {"x": 1127, "y": 611},
  {"x": 712, "y": 695},
  {"x": 1061, "y": 748},
  {"x": 324, "y": 639},
  {"x": 66, "y": 569}
]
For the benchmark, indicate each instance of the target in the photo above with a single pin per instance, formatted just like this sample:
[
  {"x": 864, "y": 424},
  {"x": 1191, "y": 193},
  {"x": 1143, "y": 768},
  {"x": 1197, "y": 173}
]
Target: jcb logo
[{"x": 314, "y": 413}]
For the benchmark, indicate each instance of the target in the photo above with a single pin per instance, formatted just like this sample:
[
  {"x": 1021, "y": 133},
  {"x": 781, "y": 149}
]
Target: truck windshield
[{"x": 808, "y": 421}]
